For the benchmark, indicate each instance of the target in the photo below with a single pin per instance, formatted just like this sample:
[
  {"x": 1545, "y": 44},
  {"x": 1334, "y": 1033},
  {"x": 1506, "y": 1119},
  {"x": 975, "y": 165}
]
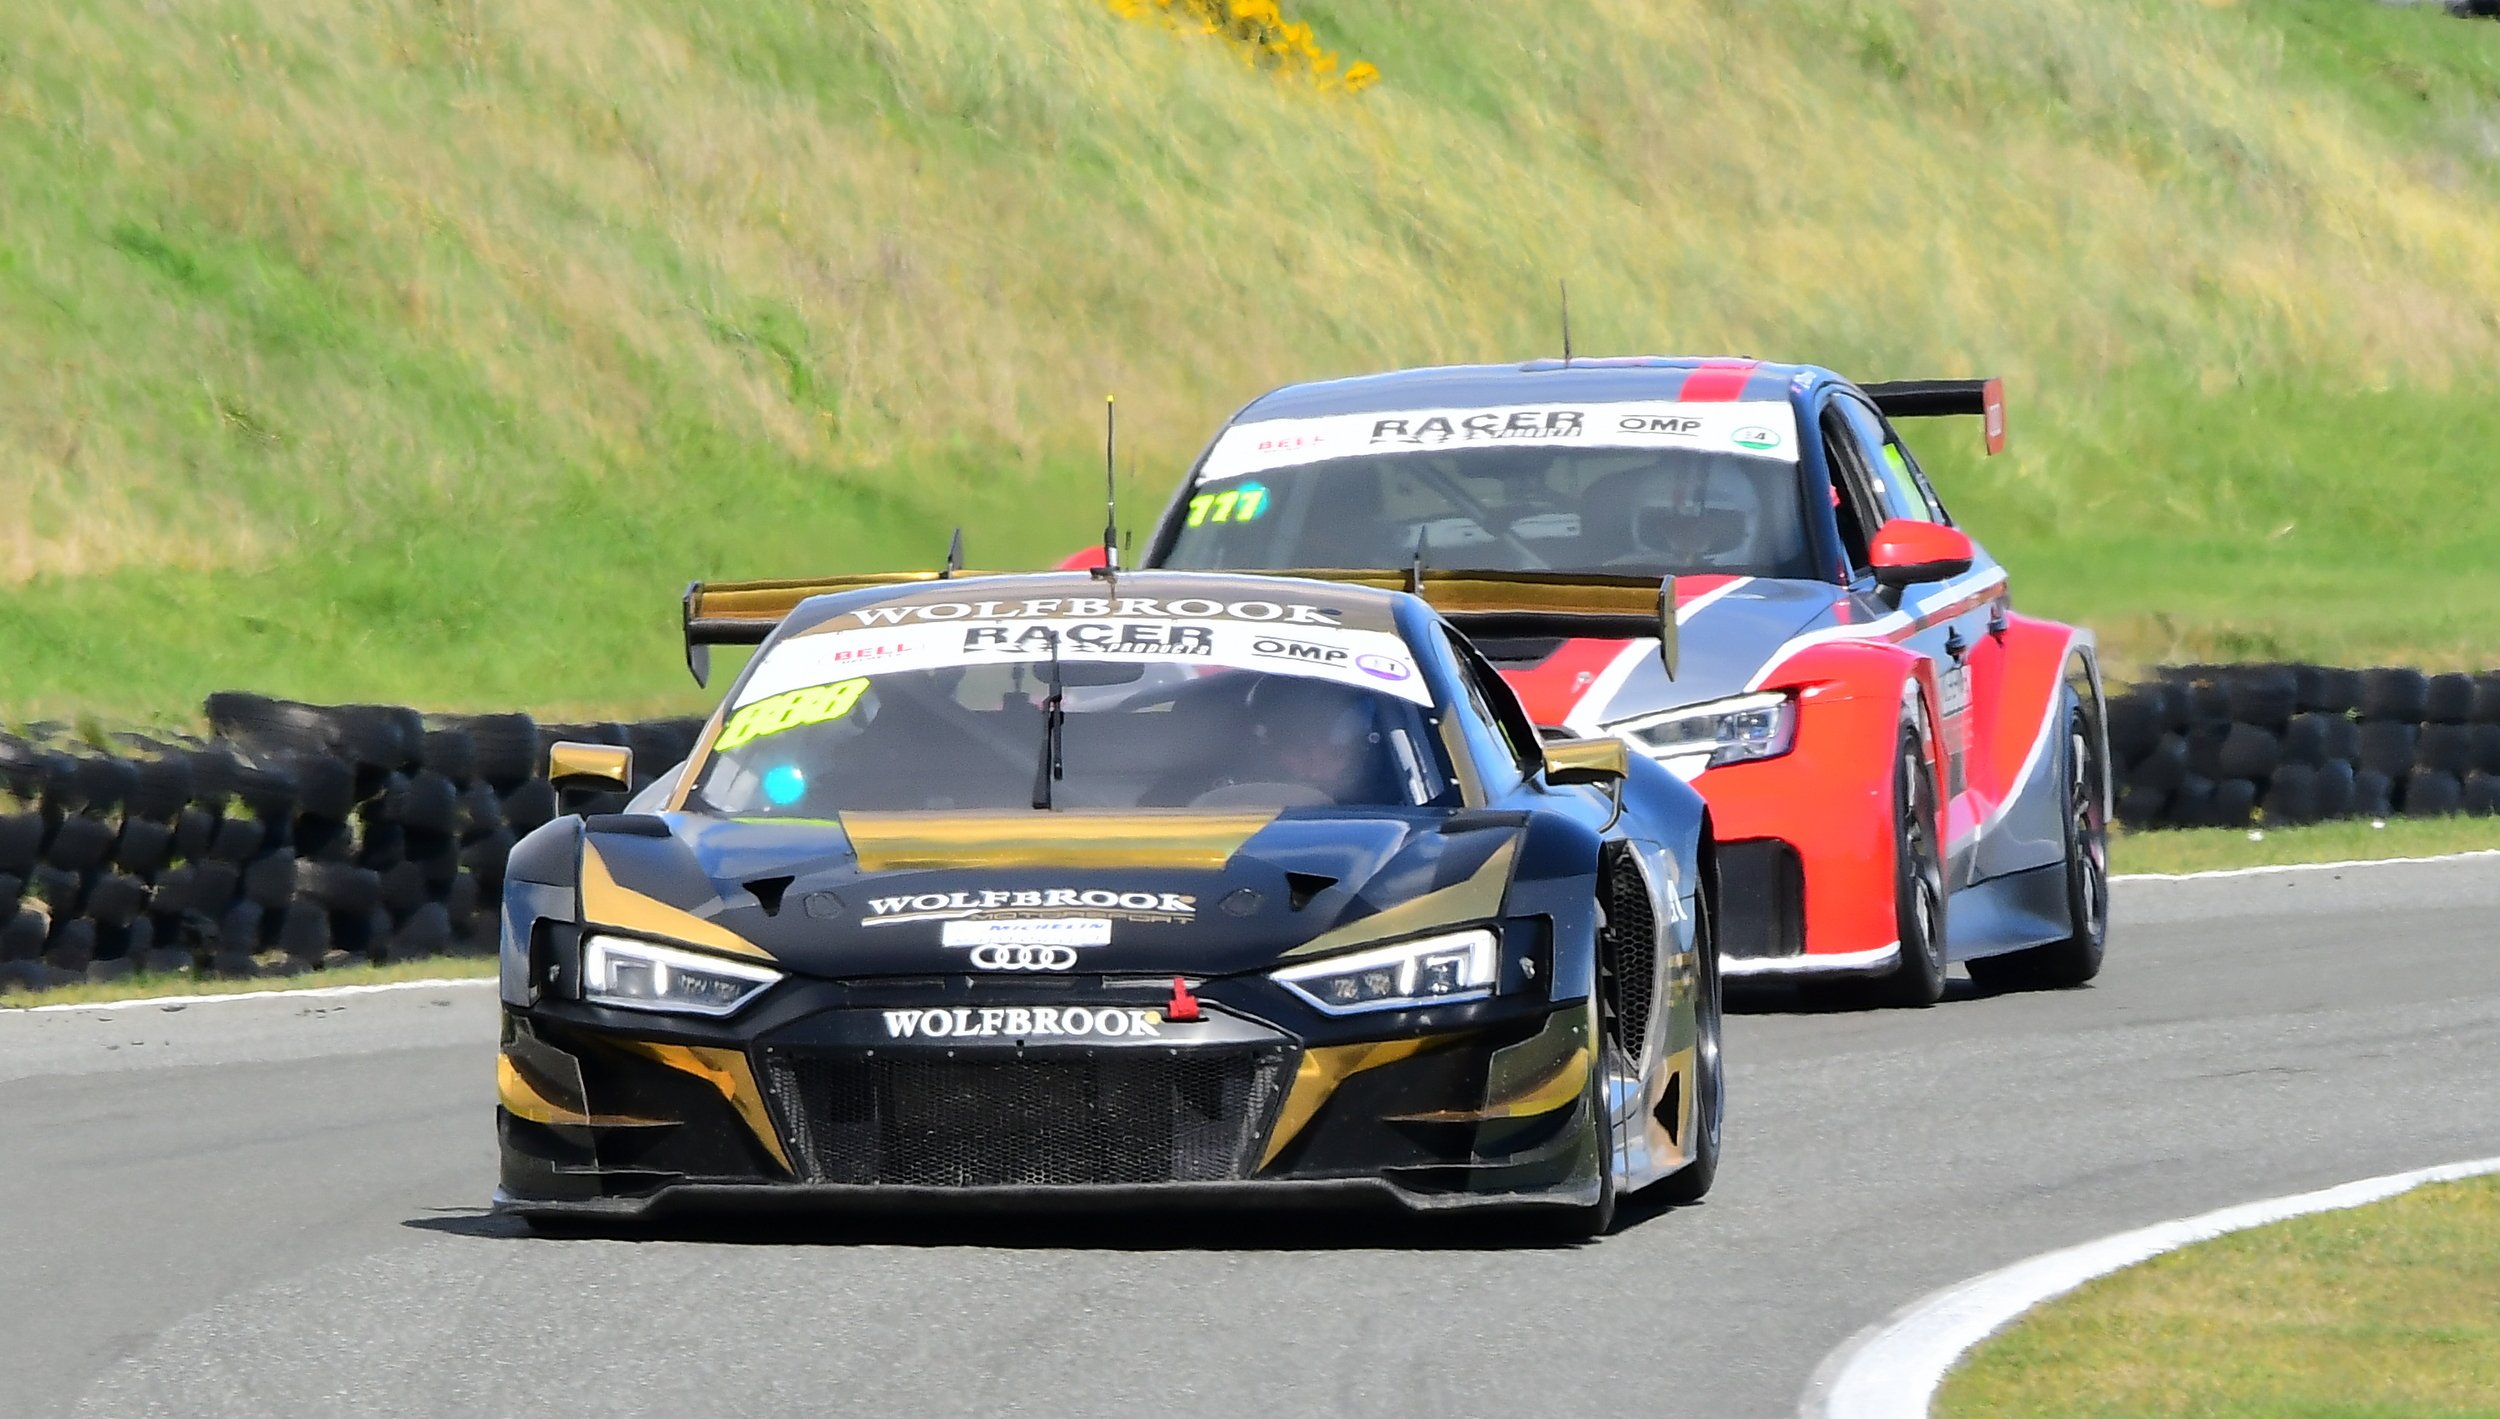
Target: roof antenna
[
  {"x": 1415, "y": 567},
  {"x": 1110, "y": 489},
  {"x": 954, "y": 556},
  {"x": 1565, "y": 288}
]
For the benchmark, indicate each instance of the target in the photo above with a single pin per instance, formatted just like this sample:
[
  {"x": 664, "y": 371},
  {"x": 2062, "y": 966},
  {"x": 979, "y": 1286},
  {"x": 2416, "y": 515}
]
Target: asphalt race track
[{"x": 275, "y": 1208}]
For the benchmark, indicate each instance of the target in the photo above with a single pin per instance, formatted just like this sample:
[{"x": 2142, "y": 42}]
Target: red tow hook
[{"x": 1183, "y": 1006}]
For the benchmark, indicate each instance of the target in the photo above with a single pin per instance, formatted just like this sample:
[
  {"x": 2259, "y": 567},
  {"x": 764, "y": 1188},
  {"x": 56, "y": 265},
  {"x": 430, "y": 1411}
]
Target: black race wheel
[
  {"x": 1690, "y": 1182},
  {"x": 2077, "y": 959},
  {"x": 1918, "y": 879}
]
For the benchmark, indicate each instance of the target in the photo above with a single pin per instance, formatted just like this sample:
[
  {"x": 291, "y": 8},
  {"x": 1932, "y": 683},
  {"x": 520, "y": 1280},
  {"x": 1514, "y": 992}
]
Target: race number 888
[{"x": 791, "y": 709}]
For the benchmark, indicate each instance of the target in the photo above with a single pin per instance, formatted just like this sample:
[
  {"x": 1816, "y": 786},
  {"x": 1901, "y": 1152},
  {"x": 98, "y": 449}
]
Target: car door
[{"x": 1953, "y": 623}]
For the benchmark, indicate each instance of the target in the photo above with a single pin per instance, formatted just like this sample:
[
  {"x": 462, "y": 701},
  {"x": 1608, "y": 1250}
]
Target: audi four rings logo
[
  {"x": 1026, "y": 943},
  {"x": 1023, "y": 958}
]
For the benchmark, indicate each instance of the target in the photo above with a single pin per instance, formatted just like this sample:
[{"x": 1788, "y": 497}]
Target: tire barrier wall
[
  {"x": 2281, "y": 745},
  {"x": 292, "y": 837}
]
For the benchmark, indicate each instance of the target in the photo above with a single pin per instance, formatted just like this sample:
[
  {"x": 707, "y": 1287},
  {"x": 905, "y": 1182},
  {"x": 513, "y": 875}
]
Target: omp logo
[
  {"x": 1186, "y": 608},
  {"x": 1021, "y": 1022},
  {"x": 1304, "y": 651},
  {"x": 1658, "y": 424}
]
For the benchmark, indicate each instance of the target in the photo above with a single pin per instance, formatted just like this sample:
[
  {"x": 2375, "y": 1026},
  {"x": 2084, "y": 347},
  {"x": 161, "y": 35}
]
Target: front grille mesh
[
  {"x": 1031, "y": 1120},
  {"x": 1629, "y": 951}
]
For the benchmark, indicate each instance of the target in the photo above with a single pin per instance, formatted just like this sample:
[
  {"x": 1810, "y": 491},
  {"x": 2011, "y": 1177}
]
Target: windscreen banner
[{"x": 1755, "y": 428}]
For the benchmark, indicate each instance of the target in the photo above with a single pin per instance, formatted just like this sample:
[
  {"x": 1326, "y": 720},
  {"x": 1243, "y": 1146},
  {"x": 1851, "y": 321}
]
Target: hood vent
[
  {"x": 768, "y": 892},
  {"x": 1300, "y": 887}
]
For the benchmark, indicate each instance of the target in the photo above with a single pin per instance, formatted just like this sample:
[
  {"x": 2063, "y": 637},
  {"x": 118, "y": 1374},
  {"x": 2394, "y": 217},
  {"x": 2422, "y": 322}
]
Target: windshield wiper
[{"x": 1053, "y": 718}]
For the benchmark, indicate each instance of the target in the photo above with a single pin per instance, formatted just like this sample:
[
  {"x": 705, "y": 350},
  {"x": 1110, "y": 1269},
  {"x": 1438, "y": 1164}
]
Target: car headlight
[
  {"x": 1431, "y": 971},
  {"x": 644, "y": 975},
  {"x": 1733, "y": 731}
]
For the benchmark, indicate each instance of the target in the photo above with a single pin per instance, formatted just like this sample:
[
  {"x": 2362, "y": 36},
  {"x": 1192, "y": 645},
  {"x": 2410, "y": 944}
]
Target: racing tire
[
  {"x": 2062, "y": 965},
  {"x": 2291, "y": 798},
  {"x": 450, "y": 753},
  {"x": 2335, "y": 790},
  {"x": 1587, "y": 1223},
  {"x": 114, "y": 900},
  {"x": 80, "y": 843},
  {"x": 2449, "y": 748},
  {"x": 2165, "y": 768},
  {"x": 2432, "y": 793},
  {"x": 2135, "y": 728},
  {"x": 2373, "y": 795},
  {"x": 1689, "y": 1183},
  {"x": 21, "y": 841},
  {"x": 2264, "y": 696},
  {"x": 22, "y": 938},
  {"x": 2395, "y": 693},
  {"x": 2249, "y": 752},
  {"x": 2449, "y": 699},
  {"x": 2141, "y": 808},
  {"x": 2235, "y": 803},
  {"x": 2487, "y": 698},
  {"x": 530, "y": 807},
  {"x": 145, "y": 845},
  {"x": 2339, "y": 691},
  {"x": 1918, "y": 896},
  {"x": 505, "y": 749},
  {"x": 2305, "y": 740}
]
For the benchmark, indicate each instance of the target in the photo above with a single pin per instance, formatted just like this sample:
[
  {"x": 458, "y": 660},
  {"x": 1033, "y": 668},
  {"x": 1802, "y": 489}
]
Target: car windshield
[
  {"x": 1584, "y": 495},
  {"x": 1153, "y": 714}
]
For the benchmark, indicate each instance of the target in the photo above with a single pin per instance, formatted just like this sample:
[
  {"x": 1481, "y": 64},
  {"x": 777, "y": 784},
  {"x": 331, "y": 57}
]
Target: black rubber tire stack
[
  {"x": 290, "y": 837},
  {"x": 2283, "y": 745}
]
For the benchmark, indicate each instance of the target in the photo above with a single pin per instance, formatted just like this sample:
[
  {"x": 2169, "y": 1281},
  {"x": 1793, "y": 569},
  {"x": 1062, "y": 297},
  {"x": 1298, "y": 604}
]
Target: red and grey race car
[{"x": 1902, "y": 772}]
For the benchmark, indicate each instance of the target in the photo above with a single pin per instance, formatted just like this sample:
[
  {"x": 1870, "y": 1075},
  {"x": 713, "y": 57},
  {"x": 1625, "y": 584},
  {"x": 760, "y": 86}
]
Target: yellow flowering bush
[{"x": 1259, "y": 32}]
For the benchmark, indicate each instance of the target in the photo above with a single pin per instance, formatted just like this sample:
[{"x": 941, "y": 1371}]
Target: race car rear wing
[
  {"x": 1491, "y": 603},
  {"x": 745, "y": 612},
  {"x": 1945, "y": 398},
  {"x": 1480, "y": 603}
]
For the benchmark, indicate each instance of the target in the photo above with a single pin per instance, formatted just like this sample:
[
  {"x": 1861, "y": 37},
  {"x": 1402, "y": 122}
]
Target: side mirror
[
  {"x": 1905, "y": 552},
  {"x": 1084, "y": 560},
  {"x": 590, "y": 768},
  {"x": 1570, "y": 761}
]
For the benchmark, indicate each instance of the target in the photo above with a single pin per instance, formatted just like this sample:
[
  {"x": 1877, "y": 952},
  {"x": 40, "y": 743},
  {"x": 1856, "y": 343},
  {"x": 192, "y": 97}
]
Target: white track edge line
[
  {"x": 308, "y": 993},
  {"x": 2302, "y": 867},
  {"x": 1892, "y": 1369}
]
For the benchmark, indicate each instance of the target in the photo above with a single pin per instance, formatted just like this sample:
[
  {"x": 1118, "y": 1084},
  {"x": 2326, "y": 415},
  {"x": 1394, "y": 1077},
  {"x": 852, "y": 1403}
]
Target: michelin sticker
[{"x": 1754, "y": 427}]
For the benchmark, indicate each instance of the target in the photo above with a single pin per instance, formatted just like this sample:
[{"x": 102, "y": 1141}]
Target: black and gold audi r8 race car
[{"x": 1072, "y": 887}]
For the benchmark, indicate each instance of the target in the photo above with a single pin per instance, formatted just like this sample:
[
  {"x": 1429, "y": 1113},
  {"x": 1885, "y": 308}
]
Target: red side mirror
[
  {"x": 1907, "y": 552},
  {"x": 1085, "y": 560}
]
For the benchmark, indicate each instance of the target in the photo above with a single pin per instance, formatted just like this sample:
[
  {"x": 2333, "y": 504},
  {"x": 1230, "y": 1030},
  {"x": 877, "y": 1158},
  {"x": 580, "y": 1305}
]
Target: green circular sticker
[{"x": 1755, "y": 438}]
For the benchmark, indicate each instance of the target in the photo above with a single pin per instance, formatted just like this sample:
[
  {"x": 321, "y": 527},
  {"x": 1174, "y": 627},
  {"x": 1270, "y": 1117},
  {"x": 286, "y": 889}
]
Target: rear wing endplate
[
  {"x": 1945, "y": 398},
  {"x": 745, "y": 612}
]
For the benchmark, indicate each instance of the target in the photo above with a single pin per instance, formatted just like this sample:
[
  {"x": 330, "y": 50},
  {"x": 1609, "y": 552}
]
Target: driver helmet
[
  {"x": 1321, "y": 733},
  {"x": 1685, "y": 516}
]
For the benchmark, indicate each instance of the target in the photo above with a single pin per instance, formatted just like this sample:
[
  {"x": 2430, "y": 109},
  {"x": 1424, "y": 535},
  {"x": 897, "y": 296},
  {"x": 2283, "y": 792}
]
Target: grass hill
[{"x": 421, "y": 349}]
